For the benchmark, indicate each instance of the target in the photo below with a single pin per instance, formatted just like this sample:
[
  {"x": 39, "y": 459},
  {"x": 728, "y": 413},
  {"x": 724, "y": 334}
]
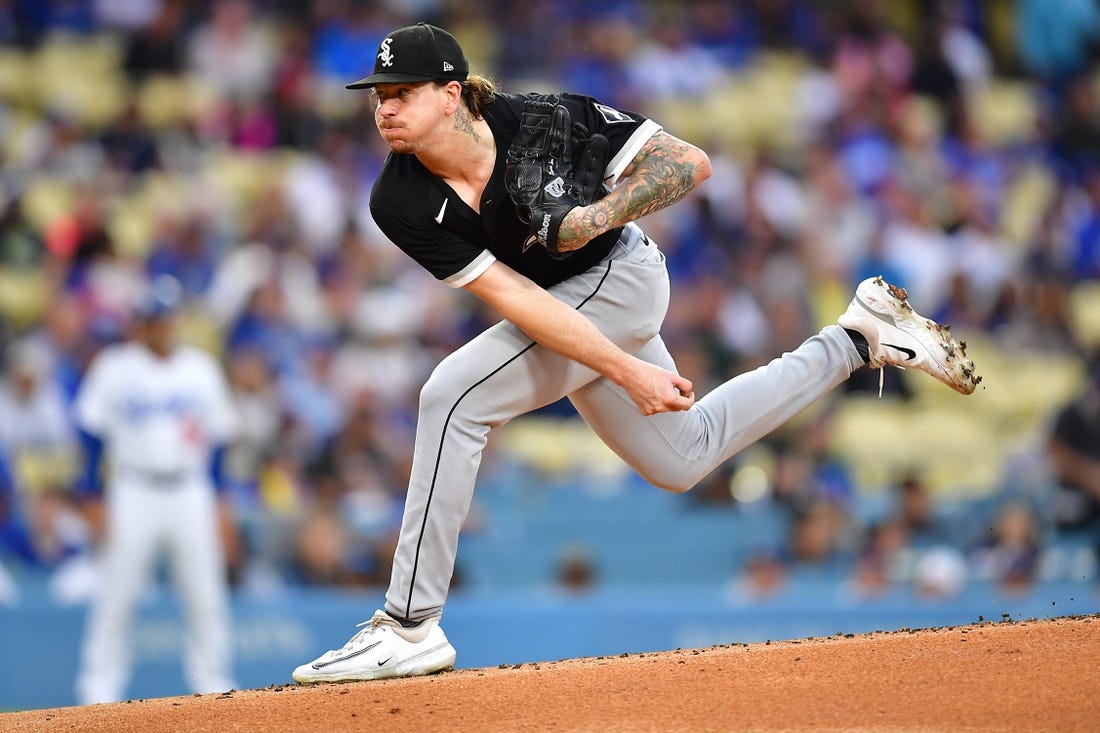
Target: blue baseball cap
[{"x": 162, "y": 298}]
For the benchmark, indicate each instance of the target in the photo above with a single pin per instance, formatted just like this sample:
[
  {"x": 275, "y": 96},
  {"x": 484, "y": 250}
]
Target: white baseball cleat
[
  {"x": 382, "y": 649},
  {"x": 898, "y": 335}
]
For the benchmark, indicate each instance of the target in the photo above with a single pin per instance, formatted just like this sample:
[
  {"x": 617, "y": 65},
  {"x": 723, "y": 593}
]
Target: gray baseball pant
[{"x": 501, "y": 374}]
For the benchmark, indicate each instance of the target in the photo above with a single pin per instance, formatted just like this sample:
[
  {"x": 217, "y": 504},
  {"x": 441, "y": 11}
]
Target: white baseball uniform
[{"x": 160, "y": 420}]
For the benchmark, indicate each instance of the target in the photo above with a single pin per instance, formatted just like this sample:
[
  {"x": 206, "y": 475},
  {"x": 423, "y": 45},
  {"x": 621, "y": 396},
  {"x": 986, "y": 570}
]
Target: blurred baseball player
[
  {"x": 528, "y": 202},
  {"x": 159, "y": 411}
]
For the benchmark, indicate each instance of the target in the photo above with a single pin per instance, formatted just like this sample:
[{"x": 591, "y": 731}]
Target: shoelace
[
  {"x": 371, "y": 625},
  {"x": 882, "y": 377}
]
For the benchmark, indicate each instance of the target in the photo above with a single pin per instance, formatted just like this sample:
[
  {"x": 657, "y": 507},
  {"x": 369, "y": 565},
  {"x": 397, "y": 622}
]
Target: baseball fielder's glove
[{"x": 544, "y": 176}]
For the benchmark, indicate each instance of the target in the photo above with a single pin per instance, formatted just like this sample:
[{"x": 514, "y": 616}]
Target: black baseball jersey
[{"x": 425, "y": 217}]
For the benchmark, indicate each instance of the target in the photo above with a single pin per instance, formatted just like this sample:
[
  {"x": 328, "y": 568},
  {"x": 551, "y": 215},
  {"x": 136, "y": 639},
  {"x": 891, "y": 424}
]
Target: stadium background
[{"x": 951, "y": 146}]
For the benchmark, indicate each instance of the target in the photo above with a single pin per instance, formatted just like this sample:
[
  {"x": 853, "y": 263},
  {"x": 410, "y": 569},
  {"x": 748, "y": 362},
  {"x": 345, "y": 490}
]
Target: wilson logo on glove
[
  {"x": 544, "y": 231},
  {"x": 555, "y": 188}
]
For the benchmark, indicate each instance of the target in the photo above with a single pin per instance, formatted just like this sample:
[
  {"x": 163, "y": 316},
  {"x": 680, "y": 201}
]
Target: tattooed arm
[{"x": 662, "y": 173}]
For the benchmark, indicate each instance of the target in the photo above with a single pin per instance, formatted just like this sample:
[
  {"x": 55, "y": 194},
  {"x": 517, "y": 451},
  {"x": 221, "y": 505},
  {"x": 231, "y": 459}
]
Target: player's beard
[
  {"x": 399, "y": 144},
  {"x": 403, "y": 146}
]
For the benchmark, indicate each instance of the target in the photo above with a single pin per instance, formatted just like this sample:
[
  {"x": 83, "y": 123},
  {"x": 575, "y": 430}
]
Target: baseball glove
[{"x": 544, "y": 176}]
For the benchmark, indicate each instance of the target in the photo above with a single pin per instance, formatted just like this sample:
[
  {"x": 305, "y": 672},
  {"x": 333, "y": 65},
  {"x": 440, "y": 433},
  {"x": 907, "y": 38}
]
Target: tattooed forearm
[
  {"x": 665, "y": 170},
  {"x": 662, "y": 173},
  {"x": 463, "y": 123}
]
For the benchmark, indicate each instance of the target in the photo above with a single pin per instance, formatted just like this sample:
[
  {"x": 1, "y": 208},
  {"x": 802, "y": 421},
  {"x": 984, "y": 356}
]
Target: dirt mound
[{"x": 1010, "y": 676}]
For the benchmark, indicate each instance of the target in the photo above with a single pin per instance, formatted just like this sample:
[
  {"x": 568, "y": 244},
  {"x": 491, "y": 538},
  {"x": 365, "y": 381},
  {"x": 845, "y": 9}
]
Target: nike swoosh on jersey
[{"x": 439, "y": 216}]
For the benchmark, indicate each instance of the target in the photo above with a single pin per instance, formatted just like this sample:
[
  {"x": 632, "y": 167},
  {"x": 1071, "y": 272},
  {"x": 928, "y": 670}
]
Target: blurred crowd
[{"x": 953, "y": 146}]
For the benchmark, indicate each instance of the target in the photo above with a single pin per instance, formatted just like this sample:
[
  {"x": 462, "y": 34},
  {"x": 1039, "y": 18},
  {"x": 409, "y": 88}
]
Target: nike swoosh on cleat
[
  {"x": 353, "y": 655},
  {"x": 908, "y": 352},
  {"x": 439, "y": 216},
  {"x": 383, "y": 662},
  {"x": 881, "y": 316}
]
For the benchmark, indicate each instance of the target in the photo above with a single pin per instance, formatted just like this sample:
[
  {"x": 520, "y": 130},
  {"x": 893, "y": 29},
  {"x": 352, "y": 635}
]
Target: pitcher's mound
[{"x": 1011, "y": 676}]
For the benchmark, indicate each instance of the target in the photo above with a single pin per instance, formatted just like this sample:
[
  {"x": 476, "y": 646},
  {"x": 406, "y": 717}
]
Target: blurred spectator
[
  {"x": 299, "y": 123},
  {"x": 940, "y": 573},
  {"x": 373, "y": 452},
  {"x": 1074, "y": 449},
  {"x": 157, "y": 44},
  {"x": 1033, "y": 312},
  {"x": 1086, "y": 236},
  {"x": 129, "y": 145},
  {"x": 670, "y": 64},
  {"x": 1075, "y": 137},
  {"x": 13, "y": 542},
  {"x": 21, "y": 246},
  {"x": 64, "y": 335},
  {"x": 36, "y": 430},
  {"x": 59, "y": 148},
  {"x": 536, "y": 34},
  {"x": 839, "y": 225},
  {"x": 763, "y": 575},
  {"x": 871, "y": 61},
  {"x": 598, "y": 62},
  {"x": 819, "y": 540},
  {"x": 328, "y": 549},
  {"x": 917, "y": 511},
  {"x": 932, "y": 73},
  {"x": 186, "y": 247},
  {"x": 316, "y": 198},
  {"x": 126, "y": 15},
  {"x": 13, "y": 534},
  {"x": 576, "y": 572},
  {"x": 33, "y": 20},
  {"x": 56, "y": 528},
  {"x": 914, "y": 245},
  {"x": 883, "y": 560},
  {"x": 253, "y": 390},
  {"x": 983, "y": 255},
  {"x": 233, "y": 51},
  {"x": 1009, "y": 555},
  {"x": 963, "y": 46},
  {"x": 346, "y": 38},
  {"x": 805, "y": 471}
]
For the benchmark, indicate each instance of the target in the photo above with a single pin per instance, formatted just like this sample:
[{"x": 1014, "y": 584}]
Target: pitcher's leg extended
[
  {"x": 675, "y": 450},
  {"x": 494, "y": 378}
]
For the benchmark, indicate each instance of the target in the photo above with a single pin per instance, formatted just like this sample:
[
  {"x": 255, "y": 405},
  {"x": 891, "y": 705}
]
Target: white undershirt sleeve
[{"x": 622, "y": 159}]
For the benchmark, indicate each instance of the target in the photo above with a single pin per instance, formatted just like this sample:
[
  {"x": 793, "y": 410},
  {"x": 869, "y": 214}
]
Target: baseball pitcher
[{"x": 529, "y": 203}]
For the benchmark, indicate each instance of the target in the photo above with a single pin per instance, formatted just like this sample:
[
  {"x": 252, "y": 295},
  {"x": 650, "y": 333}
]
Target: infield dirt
[{"x": 1008, "y": 676}]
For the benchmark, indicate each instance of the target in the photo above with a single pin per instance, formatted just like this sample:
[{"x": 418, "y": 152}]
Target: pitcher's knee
[
  {"x": 676, "y": 482},
  {"x": 441, "y": 390},
  {"x": 441, "y": 397}
]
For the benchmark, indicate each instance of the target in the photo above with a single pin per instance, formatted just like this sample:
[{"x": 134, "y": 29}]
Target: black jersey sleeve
[
  {"x": 409, "y": 210},
  {"x": 625, "y": 131}
]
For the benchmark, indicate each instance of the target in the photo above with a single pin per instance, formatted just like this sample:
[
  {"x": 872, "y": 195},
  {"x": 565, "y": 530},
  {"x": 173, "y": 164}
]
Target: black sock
[{"x": 860, "y": 342}]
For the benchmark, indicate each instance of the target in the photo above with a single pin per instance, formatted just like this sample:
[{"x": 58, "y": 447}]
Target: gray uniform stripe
[{"x": 443, "y": 438}]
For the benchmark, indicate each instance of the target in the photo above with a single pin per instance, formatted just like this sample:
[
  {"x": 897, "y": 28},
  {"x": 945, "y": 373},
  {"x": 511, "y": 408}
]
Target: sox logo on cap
[{"x": 386, "y": 55}]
